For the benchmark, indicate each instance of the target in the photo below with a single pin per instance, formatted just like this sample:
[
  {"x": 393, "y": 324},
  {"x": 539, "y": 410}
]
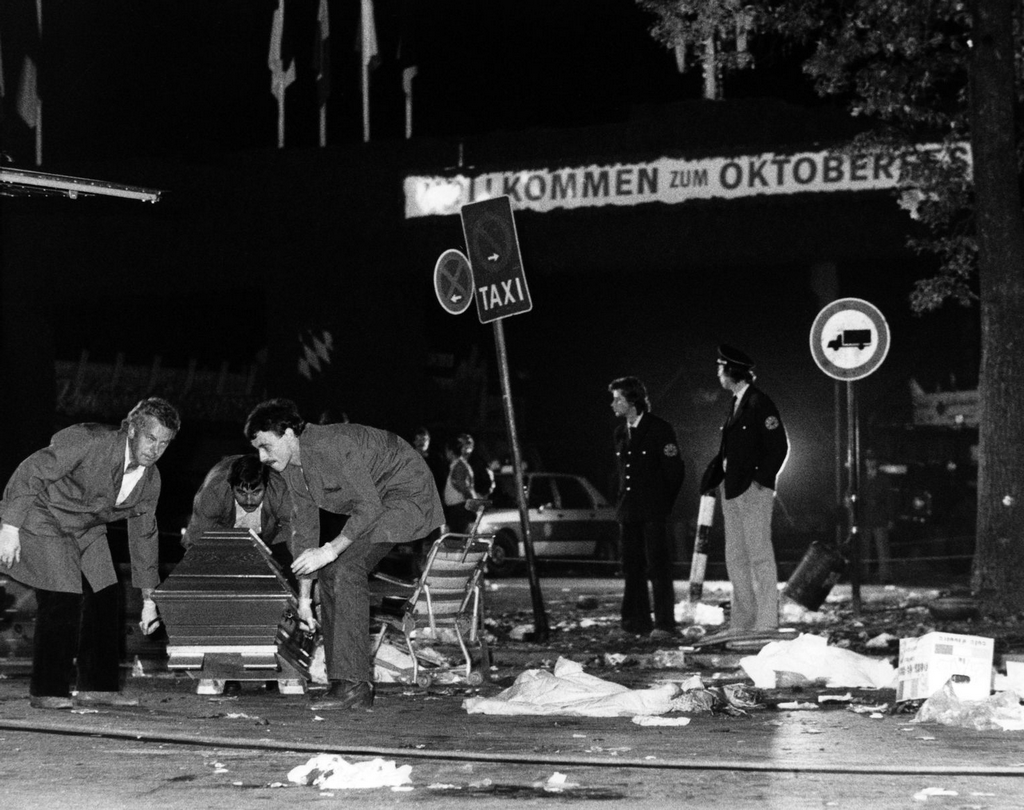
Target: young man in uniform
[{"x": 751, "y": 453}]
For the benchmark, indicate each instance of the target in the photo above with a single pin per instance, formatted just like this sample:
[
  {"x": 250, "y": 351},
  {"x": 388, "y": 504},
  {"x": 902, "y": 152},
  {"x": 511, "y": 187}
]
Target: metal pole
[
  {"x": 852, "y": 467},
  {"x": 540, "y": 619},
  {"x": 840, "y": 486}
]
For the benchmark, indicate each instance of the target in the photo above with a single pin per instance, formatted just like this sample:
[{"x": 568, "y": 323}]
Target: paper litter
[
  {"x": 999, "y": 711},
  {"x": 647, "y": 720},
  {"x": 331, "y": 772},
  {"x": 687, "y": 612}
]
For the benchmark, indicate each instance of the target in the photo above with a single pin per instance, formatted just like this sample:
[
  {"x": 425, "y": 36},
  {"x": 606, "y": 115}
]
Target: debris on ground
[
  {"x": 332, "y": 772},
  {"x": 568, "y": 690},
  {"x": 999, "y": 711},
  {"x": 811, "y": 657},
  {"x": 699, "y": 613}
]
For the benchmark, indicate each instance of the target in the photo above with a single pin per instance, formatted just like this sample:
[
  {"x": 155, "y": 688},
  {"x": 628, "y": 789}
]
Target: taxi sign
[
  {"x": 453, "y": 282},
  {"x": 493, "y": 247},
  {"x": 849, "y": 339}
]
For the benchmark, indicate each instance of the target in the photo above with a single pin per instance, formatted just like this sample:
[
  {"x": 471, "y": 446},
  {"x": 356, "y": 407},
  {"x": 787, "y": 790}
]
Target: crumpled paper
[
  {"x": 570, "y": 691},
  {"x": 999, "y": 711},
  {"x": 687, "y": 612},
  {"x": 811, "y": 657},
  {"x": 331, "y": 772},
  {"x": 647, "y": 720}
]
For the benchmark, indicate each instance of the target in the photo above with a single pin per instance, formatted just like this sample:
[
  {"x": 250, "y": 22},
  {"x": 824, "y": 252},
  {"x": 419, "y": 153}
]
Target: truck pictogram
[{"x": 850, "y": 338}]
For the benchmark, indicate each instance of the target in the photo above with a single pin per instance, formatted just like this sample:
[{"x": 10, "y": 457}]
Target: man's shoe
[
  {"x": 346, "y": 695},
  {"x": 50, "y": 702},
  {"x": 659, "y": 633},
  {"x": 88, "y": 698}
]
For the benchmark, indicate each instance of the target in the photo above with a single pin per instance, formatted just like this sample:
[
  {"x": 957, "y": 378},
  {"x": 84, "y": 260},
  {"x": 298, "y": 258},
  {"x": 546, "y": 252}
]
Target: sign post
[
  {"x": 501, "y": 291},
  {"x": 850, "y": 340}
]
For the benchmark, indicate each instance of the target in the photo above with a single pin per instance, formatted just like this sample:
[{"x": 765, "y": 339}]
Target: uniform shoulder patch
[
  {"x": 671, "y": 450},
  {"x": 772, "y": 422}
]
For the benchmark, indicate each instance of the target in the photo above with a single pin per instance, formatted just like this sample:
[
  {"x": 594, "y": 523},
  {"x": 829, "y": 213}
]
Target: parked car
[{"x": 568, "y": 518}]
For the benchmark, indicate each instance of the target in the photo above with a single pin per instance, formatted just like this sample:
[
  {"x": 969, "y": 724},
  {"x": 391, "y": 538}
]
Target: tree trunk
[{"x": 998, "y": 575}]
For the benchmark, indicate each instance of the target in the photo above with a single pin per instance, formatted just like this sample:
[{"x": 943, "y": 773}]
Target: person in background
[
  {"x": 751, "y": 453},
  {"x": 651, "y": 473},
  {"x": 460, "y": 484},
  {"x": 241, "y": 493},
  {"x": 384, "y": 487},
  {"x": 53, "y": 538},
  {"x": 877, "y": 517}
]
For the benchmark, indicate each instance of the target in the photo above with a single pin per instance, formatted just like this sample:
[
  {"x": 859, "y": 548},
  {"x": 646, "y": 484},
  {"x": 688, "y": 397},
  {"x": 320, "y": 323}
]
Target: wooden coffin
[{"x": 229, "y": 596}]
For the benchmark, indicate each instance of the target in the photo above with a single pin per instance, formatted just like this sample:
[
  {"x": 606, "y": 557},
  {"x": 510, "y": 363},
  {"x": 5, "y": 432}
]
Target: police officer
[
  {"x": 650, "y": 475},
  {"x": 752, "y": 451}
]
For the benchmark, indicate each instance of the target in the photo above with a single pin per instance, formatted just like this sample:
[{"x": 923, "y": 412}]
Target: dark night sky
[
  {"x": 187, "y": 80},
  {"x": 122, "y": 78}
]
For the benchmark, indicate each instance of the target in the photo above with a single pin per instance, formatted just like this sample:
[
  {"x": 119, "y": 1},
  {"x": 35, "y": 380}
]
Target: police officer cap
[{"x": 734, "y": 357}]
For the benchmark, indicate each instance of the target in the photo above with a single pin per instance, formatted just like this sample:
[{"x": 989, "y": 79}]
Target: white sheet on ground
[
  {"x": 570, "y": 691},
  {"x": 810, "y": 656}
]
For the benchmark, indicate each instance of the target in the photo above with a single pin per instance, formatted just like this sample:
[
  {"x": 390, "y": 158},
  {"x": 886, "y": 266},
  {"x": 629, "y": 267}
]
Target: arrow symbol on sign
[
  {"x": 455, "y": 298},
  {"x": 493, "y": 257}
]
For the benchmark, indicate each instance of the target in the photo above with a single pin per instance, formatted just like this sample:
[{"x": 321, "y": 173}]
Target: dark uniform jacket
[
  {"x": 62, "y": 497},
  {"x": 650, "y": 470},
  {"x": 371, "y": 475},
  {"x": 214, "y": 506},
  {"x": 754, "y": 446}
]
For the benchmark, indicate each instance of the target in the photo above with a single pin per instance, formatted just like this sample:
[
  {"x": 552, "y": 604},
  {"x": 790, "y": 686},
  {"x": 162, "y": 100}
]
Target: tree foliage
[{"x": 905, "y": 64}]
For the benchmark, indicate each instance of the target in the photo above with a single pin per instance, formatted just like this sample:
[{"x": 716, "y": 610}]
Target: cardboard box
[
  {"x": 1015, "y": 673},
  {"x": 926, "y": 663}
]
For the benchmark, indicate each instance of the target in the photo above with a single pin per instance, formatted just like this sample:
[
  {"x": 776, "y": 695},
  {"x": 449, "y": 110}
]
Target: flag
[
  {"x": 368, "y": 46},
  {"x": 679, "y": 49},
  {"x": 407, "y": 59},
  {"x": 279, "y": 77},
  {"x": 28, "y": 94},
  {"x": 369, "y": 51},
  {"x": 322, "y": 55}
]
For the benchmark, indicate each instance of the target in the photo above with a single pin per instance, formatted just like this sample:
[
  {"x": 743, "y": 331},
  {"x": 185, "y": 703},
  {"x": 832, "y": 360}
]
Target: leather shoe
[
  {"x": 88, "y": 698},
  {"x": 50, "y": 702},
  {"x": 346, "y": 695}
]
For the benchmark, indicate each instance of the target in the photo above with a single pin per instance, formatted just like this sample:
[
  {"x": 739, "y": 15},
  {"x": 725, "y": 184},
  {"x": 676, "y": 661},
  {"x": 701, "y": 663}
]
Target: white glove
[
  {"x": 313, "y": 559},
  {"x": 150, "y": 617},
  {"x": 10, "y": 545},
  {"x": 305, "y": 614}
]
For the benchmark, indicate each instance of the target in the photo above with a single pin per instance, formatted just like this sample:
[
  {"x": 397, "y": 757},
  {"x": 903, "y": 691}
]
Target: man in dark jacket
[
  {"x": 53, "y": 538},
  {"x": 650, "y": 475},
  {"x": 241, "y": 492},
  {"x": 752, "y": 451},
  {"x": 388, "y": 493}
]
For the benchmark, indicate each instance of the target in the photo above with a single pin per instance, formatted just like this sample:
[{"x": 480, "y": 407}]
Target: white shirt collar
[{"x": 129, "y": 479}]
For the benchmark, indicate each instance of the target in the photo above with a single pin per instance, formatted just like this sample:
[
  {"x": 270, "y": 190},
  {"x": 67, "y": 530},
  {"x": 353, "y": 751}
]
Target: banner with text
[{"x": 668, "y": 180}]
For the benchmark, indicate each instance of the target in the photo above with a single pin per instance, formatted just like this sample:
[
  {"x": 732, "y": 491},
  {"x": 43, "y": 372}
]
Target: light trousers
[{"x": 750, "y": 559}]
